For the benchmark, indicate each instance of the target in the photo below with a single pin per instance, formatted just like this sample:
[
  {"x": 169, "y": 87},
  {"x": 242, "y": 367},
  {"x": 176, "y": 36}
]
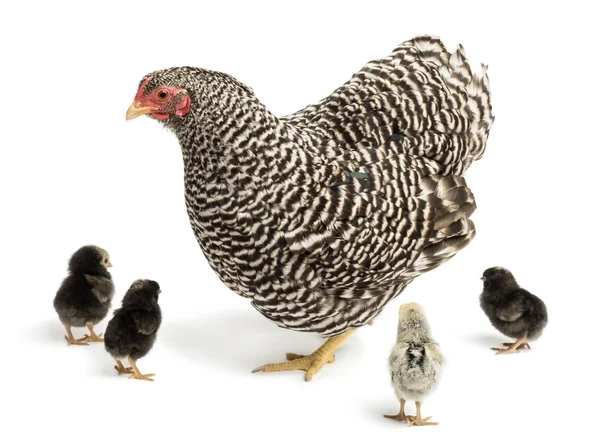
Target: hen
[{"x": 322, "y": 217}]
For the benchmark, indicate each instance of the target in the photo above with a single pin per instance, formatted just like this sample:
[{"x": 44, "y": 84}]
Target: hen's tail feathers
[
  {"x": 456, "y": 72},
  {"x": 453, "y": 203}
]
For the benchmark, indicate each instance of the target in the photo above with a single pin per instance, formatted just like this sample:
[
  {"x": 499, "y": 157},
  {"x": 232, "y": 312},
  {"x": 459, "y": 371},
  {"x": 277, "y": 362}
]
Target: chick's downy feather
[
  {"x": 323, "y": 216},
  {"x": 132, "y": 330},
  {"x": 85, "y": 295},
  {"x": 512, "y": 310},
  {"x": 416, "y": 361}
]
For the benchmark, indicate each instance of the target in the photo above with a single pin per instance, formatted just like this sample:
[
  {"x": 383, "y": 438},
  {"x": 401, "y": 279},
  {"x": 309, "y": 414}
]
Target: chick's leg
[
  {"x": 401, "y": 416},
  {"x": 136, "y": 373},
  {"x": 121, "y": 368},
  {"x": 311, "y": 363},
  {"x": 418, "y": 420},
  {"x": 513, "y": 348},
  {"x": 71, "y": 340},
  {"x": 93, "y": 337}
]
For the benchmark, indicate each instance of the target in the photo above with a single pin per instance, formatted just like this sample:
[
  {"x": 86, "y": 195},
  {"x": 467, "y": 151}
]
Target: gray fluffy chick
[
  {"x": 513, "y": 311},
  {"x": 85, "y": 295},
  {"x": 415, "y": 362}
]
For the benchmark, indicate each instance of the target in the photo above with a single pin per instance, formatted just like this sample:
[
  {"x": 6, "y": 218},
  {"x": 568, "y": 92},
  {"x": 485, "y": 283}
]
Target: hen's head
[
  {"x": 161, "y": 98},
  {"x": 177, "y": 95}
]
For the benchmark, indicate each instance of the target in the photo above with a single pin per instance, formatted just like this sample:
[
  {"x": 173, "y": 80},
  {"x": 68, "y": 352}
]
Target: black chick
[
  {"x": 132, "y": 330},
  {"x": 512, "y": 310},
  {"x": 85, "y": 295}
]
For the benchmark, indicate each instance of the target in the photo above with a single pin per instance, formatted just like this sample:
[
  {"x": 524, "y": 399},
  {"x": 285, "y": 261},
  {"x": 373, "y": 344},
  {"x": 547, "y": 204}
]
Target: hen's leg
[
  {"x": 514, "y": 347},
  {"x": 401, "y": 417},
  {"x": 71, "y": 340},
  {"x": 418, "y": 420},
  {"x": 93, "y": 337},
  {"x": 311, "y": 363},
  {"x": 136, "y": 373},
  {"x": 121, "y": 368}
]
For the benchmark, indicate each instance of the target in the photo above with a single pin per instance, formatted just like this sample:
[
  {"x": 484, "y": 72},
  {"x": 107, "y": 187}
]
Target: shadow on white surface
[
  {"x": 238, "y": 341},
  {"x": 486, "y": 339}
]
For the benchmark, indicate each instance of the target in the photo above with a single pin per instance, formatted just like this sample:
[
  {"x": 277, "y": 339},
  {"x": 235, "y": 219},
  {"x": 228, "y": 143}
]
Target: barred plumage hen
[{"x": 323, "y": 216}]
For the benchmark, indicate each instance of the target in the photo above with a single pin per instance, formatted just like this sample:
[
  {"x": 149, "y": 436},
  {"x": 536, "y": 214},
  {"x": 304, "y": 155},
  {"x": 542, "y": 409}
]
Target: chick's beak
[
  {"x": 109, "y": 264},
  {"x": 482, "y": 278},
  {"x": 136, "y": 109}
]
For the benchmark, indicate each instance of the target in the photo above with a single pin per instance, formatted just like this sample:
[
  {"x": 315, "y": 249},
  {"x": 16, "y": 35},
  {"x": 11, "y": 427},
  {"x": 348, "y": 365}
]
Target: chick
[
  {"x": 85, "y": 295},
  {"x": 415, "y": 362},
  {"x": 132, "y": 330},
  {"x": 512, "y": 310}
]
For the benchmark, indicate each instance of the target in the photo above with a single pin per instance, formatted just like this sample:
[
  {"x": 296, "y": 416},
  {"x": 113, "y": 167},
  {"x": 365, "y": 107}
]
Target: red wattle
[{"x": 160, "y": 116}]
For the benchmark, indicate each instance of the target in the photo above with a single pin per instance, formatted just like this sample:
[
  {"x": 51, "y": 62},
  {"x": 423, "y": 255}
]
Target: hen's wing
[{"x": 380, "y": 199}]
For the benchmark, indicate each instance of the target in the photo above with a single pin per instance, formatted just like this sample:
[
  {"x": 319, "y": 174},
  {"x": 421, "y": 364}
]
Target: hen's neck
[{"x": 236, "y": 131}]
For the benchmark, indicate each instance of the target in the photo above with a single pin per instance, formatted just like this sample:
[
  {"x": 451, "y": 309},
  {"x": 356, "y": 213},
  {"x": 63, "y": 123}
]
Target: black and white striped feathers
[{"x": 324, "y": 216}]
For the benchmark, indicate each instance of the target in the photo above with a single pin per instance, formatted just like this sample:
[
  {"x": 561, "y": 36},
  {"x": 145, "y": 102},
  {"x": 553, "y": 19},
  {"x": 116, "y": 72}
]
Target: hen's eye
[{"x": 162, "y": 95}]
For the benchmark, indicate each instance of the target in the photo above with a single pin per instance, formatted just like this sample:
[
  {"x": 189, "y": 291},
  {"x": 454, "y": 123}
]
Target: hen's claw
[{"x": 311, "y": 363}]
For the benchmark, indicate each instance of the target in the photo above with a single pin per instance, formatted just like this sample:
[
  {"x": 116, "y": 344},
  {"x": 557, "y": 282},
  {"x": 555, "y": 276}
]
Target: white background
[{"x": 73, "y": 172}]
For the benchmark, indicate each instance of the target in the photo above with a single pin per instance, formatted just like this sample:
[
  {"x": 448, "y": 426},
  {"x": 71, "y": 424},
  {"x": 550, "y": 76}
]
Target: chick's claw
[
  {"x": 122, "y": 370},
  {"x": 80, "y": 341},
  {"x": 523, "y": 345},
  {"x": 95, "y": 338},
  {"x": 398, "y": 417},
  {"x": 415, "y": 421},
  {"x": 142, "y": 376}
]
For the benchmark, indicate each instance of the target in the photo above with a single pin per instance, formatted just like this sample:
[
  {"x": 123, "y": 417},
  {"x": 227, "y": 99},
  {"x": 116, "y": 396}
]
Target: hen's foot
[{"x": 311, "y": 363}]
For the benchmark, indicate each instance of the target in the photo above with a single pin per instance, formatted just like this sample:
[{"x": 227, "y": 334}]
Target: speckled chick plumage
[
  {"x": 322, "y": 217},
  {"x": 133, "y": 329},
  {"x": 416, "y": 361},
  {"x": 85, "y": 295},
  {"x": 512, "y": 310}
]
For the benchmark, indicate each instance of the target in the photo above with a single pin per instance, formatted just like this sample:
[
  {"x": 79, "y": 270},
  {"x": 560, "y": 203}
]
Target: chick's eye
[{"x": 162, "y": 95}]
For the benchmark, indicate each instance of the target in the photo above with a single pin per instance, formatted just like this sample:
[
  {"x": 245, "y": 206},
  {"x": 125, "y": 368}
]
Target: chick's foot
[
  {"x": 136, "y": 372},
  {"x": 523, "y": 345},
  {"x": 513, "y": 347},
  {"x": 311, "y": 363},
  {"x": 401, "y": 416},
  {"x": 142, "y": 376},
  {"x": 418, "y": 420},
  {"x": 93, "y": 337},
  {"x": 121, "y": 368},
  {"x": 81, "y": 341}
]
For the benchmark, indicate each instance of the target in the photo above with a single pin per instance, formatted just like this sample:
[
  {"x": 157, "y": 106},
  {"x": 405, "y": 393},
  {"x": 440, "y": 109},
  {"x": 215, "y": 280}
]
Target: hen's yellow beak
[{"x": 136, "y": 109}]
